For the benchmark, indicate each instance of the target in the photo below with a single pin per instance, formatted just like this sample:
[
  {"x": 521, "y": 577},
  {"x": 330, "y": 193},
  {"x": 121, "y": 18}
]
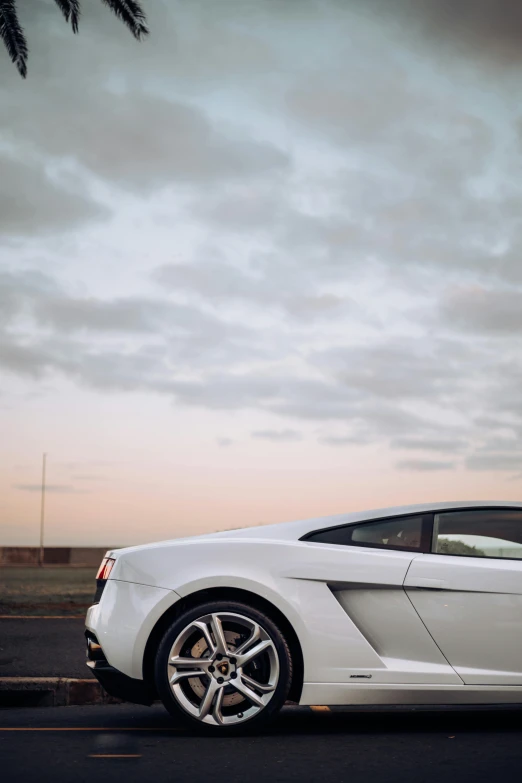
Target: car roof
[
  {"x": 296, "y": 529},
  {"x": 292, "y": 531}
]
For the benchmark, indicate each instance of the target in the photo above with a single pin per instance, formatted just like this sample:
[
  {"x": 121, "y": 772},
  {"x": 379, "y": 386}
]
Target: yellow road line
[
  {"x": 320, "y": 708},
  {"x": 42, "y": 617},
  {"x": 86, "y": 728},
  {"x": 115, "y": 755}
]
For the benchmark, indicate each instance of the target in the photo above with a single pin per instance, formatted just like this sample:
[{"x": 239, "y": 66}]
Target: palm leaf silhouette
[
  {"x": 12, "y": 33},
  {"x": 131, "y": 14},
  {"x": 71, "y": 11},
  {"x": 13, "y": 36}
]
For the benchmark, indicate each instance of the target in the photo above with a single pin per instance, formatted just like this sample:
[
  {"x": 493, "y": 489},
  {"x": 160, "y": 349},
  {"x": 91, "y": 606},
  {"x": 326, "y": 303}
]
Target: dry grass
[{"x": 40, "y": 591}]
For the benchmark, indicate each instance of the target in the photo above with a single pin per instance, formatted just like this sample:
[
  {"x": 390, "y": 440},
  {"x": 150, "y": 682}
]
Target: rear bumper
[
  {"x": 122, "y": 687},
  {"x": 124, "y": 620},
  {"x": 113, "y": 681}
]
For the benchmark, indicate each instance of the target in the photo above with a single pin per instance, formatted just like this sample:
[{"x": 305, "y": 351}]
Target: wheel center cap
[{"x": 223, "y": 668}]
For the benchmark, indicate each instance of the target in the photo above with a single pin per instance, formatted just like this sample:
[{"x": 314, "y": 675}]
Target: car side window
[
  {"x": 479, "y": 533},
  {"x": 408, "y": 533}
]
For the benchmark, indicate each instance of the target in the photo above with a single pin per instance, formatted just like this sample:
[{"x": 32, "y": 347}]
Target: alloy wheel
[{"x": 223, "y": 668}]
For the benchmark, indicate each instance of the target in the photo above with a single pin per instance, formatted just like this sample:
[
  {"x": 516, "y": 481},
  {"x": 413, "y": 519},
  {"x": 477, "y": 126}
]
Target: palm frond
[
  {"x": 12, "y": 34},
  {"x": 71, "y": 11},
  {"x": 131, "y": 13}
]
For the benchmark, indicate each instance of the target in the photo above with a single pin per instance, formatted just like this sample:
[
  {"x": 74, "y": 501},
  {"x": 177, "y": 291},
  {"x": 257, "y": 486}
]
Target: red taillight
[{"x": 105, "y": 568}]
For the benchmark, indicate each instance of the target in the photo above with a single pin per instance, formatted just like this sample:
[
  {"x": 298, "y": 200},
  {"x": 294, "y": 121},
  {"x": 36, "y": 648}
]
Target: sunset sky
[{"x": 264, "y": 265}]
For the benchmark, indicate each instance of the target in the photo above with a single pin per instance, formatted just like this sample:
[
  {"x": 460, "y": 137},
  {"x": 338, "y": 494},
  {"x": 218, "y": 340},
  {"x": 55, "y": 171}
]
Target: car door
[
  {"x": 383, "y": 640},
  {"x": 468, "y": 593}
]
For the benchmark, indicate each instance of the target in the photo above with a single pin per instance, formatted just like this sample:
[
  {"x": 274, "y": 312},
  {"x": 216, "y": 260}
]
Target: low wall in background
[{"x": 53, "y": 555}]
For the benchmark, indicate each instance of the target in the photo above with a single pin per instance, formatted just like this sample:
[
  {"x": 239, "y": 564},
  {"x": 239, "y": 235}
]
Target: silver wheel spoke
[
  {"x": 206, "y": 633},
  {"x": 188, "y": 667},
  {"x": 240, "y": 686},
  {"x": 194, "y": 663},
  {"x": 260, "y": 647},
  {"x": 256, "y": 634},
  {"x": 183, "y": 674},
  {"x": 218, "y": 704},
  {"x": 262, "y": 687},
  {"x": 219, "y": 636},
  {"x": 208, "y": 698}
]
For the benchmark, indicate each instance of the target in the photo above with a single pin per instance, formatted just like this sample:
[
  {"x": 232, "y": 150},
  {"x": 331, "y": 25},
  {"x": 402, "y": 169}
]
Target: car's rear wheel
[{"x": 223, "y": 665}]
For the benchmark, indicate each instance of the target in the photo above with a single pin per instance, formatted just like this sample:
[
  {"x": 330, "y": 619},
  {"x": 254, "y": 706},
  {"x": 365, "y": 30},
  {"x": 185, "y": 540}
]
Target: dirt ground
[{"x": 43, "y": 591}]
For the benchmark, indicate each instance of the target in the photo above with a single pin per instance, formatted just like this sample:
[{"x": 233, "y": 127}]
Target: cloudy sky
[{"x": 264, "y": 265}]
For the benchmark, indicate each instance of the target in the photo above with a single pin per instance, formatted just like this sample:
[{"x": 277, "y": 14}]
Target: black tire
[{"x": 279, "y": 695}]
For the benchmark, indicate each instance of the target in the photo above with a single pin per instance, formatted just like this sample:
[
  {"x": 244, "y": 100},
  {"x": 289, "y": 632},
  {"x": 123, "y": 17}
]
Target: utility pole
[{"x": 42, "y": 513}]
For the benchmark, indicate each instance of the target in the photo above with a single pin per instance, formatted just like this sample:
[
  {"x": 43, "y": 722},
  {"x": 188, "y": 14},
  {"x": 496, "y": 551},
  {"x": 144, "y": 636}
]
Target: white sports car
[{"x": 413, "y": 605}]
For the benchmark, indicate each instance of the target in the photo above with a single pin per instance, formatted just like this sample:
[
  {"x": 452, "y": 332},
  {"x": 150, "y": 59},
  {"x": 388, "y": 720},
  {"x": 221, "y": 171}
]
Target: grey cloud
[
  {"x": 486, "y": 33},
  {"x": 424, "y": 196},
  {"x": 490, "y": 311},
  {"x": 298, "y": 399},
  {"x": 143, "y": 367},
  {"x": 126, "y": 121},
  {"x": 501, "y": 444},
  {"x": 276, "y": 393},
  {"x": 232, "y": 41},
  {"x": 341, "y": 440},
  {"x": 244, "y": 210},
  {"x": 395, "y": 122},
  {"x": 144, "y": 142},
  {"x": 151, "y": 342},
  {"x": 121, "y": 370},
  {"x": 313, "y": 399},
  {"x": 74, "y": 314},
  {"x": 18, "y": 288},
  {"x": 494, "y": 423},
  {"x": 400, "y": 368},
  {"x": 219, "y": 281},
  {"x": 272, "y": 211},
  {"x": 26, "y": 282},
  {"x": 91, "y": 463},
  {"x": 278, "y": 436},
  {"x": 32, "y": 203},
  {"x": 224, "y": 442},
  {"x": 180, "y": 34},
  {"x": 370, "y": 389},
  {"x": 121, "y": 315},
  {"x": 425, "y": 465},
  {"x": 415, "y": 204},
  {"x": 406, "y": 194},
  {"x": 492, "y": 461},
  {"x": 445, "y": 445},
  {"x": 22, "y": 359},
  {"x": 430, "y": 183},
  {"x": 64, "y": 489},
  {"x": 200, "y": 360},
  {"x": 88, "y": 477},
  {"x": 171, "y": 143},
  {"x": 311, "y": 306},
  {"x": 376, "y": 420},
  {"x": 37, "y": 295},
  {"x": 500, "y": 390},
  {"x": 490, "y": 30},
  {"x": 226, "y": 391},
  {"x": 348, "y": 113}
]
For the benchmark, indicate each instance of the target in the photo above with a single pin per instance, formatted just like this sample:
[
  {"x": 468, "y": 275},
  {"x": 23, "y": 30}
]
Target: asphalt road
[
  {"x": 127, "y": 743},
  {"x": 42, "y": 648}
]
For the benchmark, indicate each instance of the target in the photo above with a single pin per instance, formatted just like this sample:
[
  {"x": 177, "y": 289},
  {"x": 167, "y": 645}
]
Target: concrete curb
[
  {"x": 51, "y": 692},
  {"x": 60, "y": 692}
]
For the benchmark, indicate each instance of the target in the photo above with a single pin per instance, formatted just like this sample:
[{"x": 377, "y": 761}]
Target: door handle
[{"x": 425, "y": 583}]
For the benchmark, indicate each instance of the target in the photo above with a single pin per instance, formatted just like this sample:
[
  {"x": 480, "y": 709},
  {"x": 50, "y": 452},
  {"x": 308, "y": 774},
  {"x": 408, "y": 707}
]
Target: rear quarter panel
[{"x": 293, "y": 576}]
